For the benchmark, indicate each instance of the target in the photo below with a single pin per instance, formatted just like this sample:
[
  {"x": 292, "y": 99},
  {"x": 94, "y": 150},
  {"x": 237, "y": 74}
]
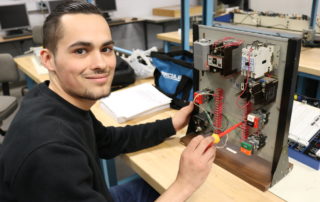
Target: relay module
[{"x": 245, "y": 79}]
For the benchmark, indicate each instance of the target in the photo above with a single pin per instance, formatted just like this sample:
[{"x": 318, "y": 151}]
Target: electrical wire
[
  {"x": 247, "y": 15},
  {"x": 210, "y": 120},
  {"x": 207, "y": 114},
  {"x": 246, "y": 84},
  {"x": 224, "y": 144},
  {"x": 227, "y": 42},
  {"x": 226, "y": 132},
  {"x": 273, "y": 26},
  {"x": 203, "y": 109}
]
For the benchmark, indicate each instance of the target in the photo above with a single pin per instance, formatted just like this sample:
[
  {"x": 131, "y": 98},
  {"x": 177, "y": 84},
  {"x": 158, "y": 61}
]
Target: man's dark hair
[{"x": 52, "y": 30}]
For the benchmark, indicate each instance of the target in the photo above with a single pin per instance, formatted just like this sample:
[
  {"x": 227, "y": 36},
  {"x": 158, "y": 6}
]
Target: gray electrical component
[{"x": 201, "y": 50}]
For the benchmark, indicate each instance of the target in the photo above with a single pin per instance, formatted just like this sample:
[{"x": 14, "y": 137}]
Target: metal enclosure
[{"x": 267, "y": 163}]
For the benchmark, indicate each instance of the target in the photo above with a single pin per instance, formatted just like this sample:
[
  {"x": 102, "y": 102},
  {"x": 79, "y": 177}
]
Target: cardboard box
[{"x": 174, "y": 11}]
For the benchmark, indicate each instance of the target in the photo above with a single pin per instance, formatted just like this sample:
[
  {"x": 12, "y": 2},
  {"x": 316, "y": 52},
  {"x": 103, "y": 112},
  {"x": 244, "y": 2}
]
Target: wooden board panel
[
  {"x": 174, "y": 11},
  {"x": 254, "y": 170}
]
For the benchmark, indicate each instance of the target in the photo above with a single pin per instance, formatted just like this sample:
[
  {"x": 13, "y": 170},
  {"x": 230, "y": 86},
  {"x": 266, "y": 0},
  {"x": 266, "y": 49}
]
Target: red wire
[
  {"x": 228, "y": 44},
  {"x": 246, "y": 84}
]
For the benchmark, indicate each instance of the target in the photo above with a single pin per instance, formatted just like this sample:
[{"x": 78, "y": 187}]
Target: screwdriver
[{"x": 218, "y": 136}]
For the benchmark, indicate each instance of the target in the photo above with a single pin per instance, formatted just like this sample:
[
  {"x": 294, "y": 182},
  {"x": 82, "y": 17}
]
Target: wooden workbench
[
  {"x": 2, "y": 40},
  {"x": 310, "y": 61}
]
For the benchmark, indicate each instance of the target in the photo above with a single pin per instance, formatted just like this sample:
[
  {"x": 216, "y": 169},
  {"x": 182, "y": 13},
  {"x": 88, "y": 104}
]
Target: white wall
[
  {"x": 125, "y": 8},
  {"x": 140, "y": 8},
  {"x": 284, "y": 6}
]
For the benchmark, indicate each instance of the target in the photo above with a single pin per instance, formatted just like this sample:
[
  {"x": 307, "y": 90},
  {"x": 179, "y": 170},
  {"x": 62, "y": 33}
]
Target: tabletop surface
[
  {"x": 310, "y": 61},
  {"x": 2, "y": 40}
]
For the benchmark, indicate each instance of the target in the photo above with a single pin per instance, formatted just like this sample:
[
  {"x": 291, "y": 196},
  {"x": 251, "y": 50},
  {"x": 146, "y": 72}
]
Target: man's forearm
[{"x": 177, "y": 192}]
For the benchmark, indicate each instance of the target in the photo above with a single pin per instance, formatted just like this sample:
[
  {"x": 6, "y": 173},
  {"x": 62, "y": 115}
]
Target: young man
[{"x": 52, "y": 147}]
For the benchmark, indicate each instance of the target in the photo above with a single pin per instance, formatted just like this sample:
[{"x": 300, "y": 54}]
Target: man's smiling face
[{"x": 84, "y": 62}]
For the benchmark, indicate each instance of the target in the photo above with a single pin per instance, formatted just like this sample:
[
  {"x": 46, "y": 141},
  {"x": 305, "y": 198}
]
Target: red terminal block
[
  {"x": 198, "y": 98},
  {"x": 253, "y": 120}
]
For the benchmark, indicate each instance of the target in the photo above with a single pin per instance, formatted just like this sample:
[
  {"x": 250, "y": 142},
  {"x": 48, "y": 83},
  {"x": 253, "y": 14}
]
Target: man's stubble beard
[{"x": 87, "y": 95}]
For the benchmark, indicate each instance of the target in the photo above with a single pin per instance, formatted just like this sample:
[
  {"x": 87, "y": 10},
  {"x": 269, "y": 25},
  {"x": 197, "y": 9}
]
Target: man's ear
[{"x": 47, "y": 59}]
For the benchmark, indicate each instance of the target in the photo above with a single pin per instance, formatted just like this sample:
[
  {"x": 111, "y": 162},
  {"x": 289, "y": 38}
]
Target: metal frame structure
[{"x": 207, "y": 16}]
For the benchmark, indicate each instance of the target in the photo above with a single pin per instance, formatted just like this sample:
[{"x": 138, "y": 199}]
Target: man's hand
[
  {"x": 181, "y": 118},
  {"x": 196, "y": 162},
  {"x": 195, "y": 165}
]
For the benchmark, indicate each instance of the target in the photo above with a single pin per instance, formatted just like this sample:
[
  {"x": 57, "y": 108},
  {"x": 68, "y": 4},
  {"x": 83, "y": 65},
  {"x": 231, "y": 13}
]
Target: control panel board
[{"x": 243, "y": 92}]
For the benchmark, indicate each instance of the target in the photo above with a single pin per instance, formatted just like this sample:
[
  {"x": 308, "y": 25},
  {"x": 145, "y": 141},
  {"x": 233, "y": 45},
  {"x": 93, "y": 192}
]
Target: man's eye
[
  {"x": 80, "y": 51},
  {"x": 107, "y": 49}
]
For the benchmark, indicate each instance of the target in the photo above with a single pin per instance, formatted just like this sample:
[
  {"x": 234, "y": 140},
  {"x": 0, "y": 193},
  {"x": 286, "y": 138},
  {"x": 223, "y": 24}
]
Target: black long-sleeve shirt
[{"x": 51, "y": 150}]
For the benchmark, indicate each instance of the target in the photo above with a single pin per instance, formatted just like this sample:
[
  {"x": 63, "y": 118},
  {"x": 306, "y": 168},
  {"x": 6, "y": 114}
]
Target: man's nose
[{"x": 98, "y": 60}]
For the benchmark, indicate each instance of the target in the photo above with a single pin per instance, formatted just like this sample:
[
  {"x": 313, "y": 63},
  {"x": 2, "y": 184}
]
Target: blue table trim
[{"x": 301, "y": 85}]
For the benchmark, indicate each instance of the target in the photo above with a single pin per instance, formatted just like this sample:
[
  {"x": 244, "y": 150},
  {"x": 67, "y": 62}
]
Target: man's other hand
[{"x": 182, "y": 117}]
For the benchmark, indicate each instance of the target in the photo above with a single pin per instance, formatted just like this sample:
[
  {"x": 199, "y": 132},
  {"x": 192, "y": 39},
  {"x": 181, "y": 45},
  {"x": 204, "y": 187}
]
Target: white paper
[{"x": 139, "y": 100}]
